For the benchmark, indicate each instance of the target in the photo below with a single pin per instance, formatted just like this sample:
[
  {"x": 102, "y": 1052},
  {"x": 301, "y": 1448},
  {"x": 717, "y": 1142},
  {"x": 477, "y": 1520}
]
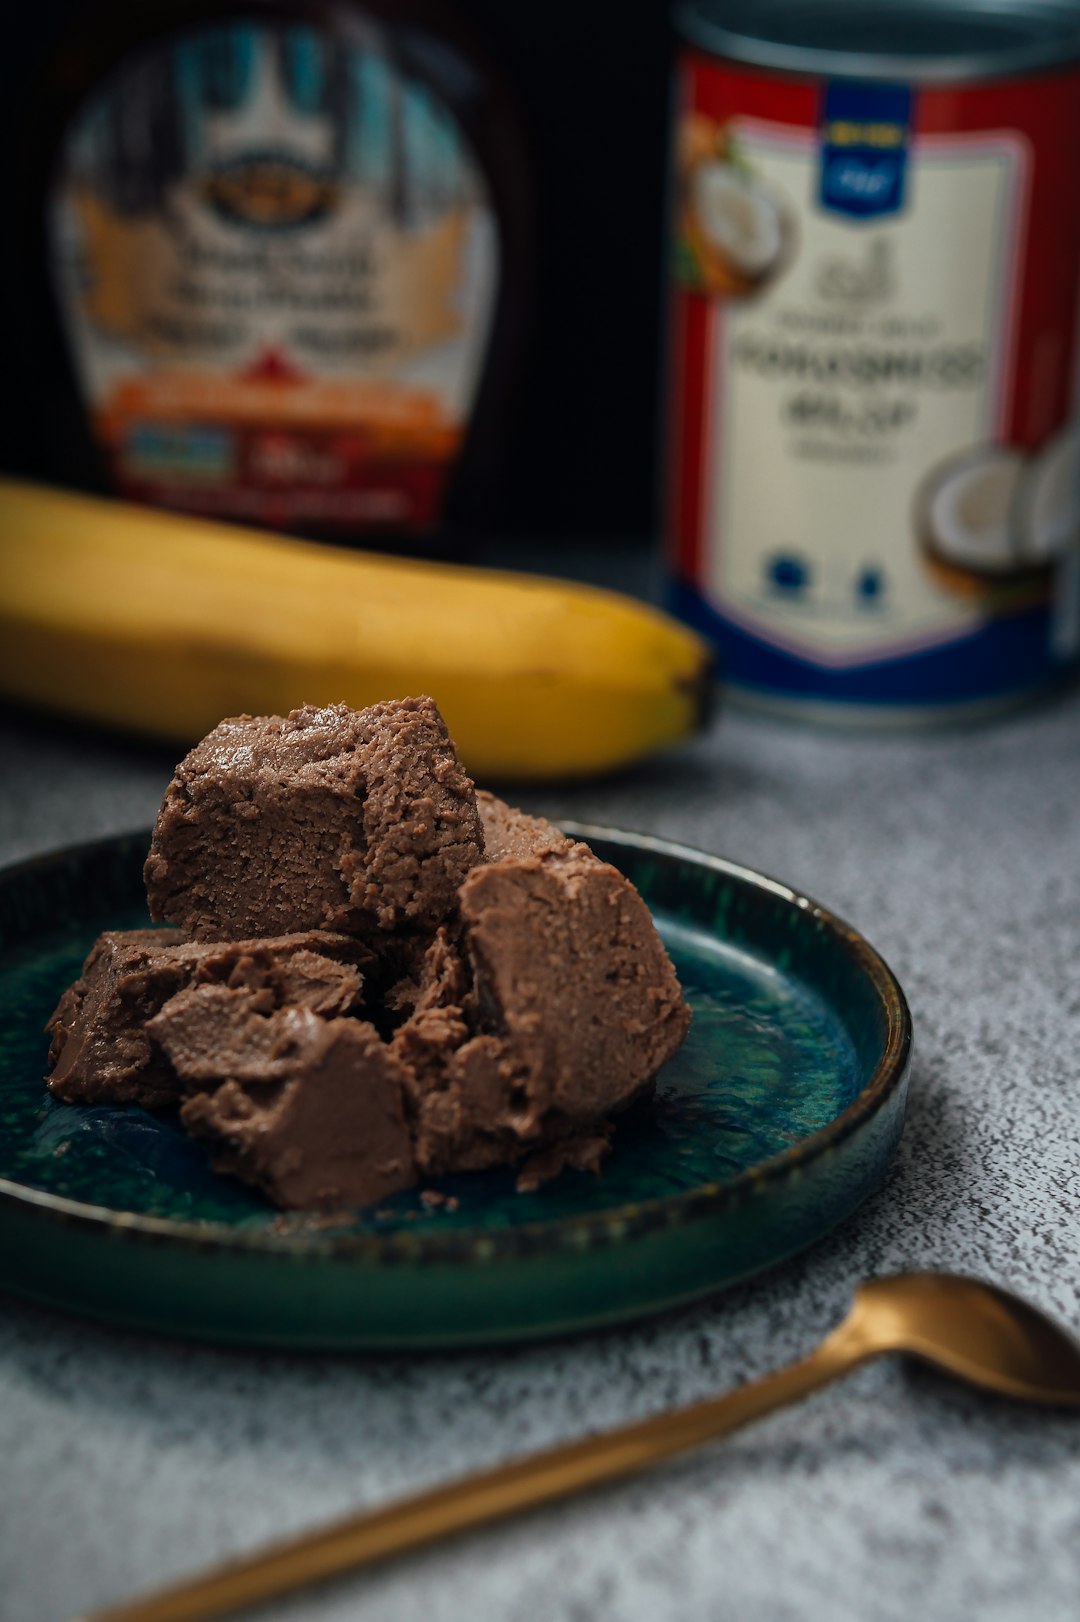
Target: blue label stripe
[
  {"x": 864, "y": 148},
  {"x": 1004, "y": 656}
]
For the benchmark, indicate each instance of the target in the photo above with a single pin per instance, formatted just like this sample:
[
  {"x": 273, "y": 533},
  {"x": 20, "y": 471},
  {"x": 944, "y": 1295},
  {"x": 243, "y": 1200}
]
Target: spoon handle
[{"x": 490, "y": 1495}]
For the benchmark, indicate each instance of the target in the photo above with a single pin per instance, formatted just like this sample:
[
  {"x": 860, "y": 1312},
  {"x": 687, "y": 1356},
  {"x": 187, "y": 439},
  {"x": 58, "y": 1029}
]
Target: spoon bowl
[{"x": 973, "y": 1330}]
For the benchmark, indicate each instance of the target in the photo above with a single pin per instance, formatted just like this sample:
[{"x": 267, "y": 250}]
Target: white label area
[{"x": 874, "y": 352}]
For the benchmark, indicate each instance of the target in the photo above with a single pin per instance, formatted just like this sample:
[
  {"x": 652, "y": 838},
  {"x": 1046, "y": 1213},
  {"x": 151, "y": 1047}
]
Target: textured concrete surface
[{"x": 893, "y": 1495}]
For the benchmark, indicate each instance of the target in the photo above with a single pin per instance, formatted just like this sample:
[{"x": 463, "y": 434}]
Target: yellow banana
[{"x": 163, "y": 624}]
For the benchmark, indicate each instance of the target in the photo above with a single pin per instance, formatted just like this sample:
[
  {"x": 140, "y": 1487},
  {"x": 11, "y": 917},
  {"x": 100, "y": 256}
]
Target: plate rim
[{"x": 585, "y": 1230}]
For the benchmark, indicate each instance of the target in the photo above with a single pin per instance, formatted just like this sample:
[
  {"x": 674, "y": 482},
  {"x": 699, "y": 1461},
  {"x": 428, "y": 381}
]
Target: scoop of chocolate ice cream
[
  {"x": 317, "y": 1122},
  {"x": 552, "y": 1005},
  {"x": 362, "y": 821},
  {"x": 514, "y": 991},
  {"x": 103, "y": 1049}
]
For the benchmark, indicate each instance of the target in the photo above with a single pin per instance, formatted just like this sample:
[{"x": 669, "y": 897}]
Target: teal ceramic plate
[{"x": 777, "y": 1118}]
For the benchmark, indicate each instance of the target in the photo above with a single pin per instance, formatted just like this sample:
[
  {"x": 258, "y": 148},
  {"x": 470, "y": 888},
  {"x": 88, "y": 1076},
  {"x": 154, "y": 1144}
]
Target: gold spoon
[{"x": 977, "y": 1332}]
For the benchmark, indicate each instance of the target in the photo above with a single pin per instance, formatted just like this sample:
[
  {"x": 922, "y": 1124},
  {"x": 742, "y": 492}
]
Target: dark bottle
[{"x": 279, "y": 261}]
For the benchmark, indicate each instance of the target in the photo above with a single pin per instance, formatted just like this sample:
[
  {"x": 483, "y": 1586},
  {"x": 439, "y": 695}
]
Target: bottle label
[{"x": 276, "y": 257}]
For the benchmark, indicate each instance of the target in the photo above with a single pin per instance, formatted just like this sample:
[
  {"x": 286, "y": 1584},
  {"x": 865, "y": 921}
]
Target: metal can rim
[{"x": 722, "y": 28}]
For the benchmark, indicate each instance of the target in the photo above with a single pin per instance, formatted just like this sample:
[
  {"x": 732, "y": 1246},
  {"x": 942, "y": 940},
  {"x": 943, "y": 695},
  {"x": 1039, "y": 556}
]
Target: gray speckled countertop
[{"x": 892, "y": 1495}]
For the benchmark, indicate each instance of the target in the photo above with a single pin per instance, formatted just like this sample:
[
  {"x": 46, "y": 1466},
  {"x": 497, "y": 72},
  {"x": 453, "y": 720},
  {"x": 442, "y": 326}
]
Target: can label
[
  {"x": 876, "y": 491},
  {"x": 276, "y": 257}
]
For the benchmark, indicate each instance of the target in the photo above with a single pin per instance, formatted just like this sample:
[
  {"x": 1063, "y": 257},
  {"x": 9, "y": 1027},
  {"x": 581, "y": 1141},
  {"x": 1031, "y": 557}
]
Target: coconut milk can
[{"x": 874, "y": 422}]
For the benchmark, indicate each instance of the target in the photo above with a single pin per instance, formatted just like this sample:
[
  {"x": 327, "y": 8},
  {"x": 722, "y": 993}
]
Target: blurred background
[{"x": 591, "y": 84}]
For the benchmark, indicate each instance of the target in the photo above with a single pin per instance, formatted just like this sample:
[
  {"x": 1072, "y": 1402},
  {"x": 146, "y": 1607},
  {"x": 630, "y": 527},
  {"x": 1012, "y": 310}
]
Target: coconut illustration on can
[
  {"x": 992, "y": 522},
  {"x": 736, "y": 235},
  {"x": 963, "y": 514}
]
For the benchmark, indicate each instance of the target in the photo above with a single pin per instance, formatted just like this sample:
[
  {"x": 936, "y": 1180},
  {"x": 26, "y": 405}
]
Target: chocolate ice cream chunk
[
  {"x": 582, "y": 1153},
  {"x": 315, "y": 968},
  {"x": 553, "y": 1005},
  {"x": 102, "y": 1050},
  {"x": 362, "y": 821},
  {"x": 317, "y": 1122},
  {"x": 513, "y": 835},
  {"x": 212, "y": 1033}
]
